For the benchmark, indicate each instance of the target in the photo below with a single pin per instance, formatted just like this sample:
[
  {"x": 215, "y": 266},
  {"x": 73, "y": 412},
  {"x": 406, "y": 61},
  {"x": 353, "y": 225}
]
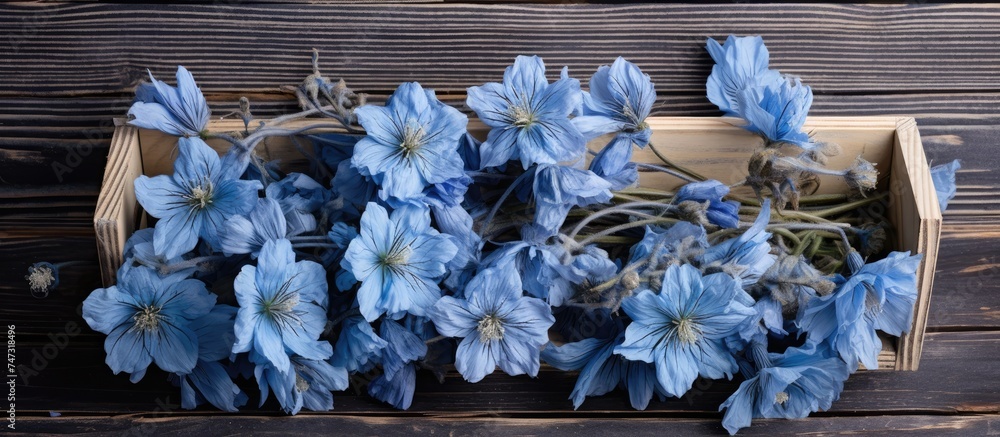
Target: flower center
[
  {"x": 687, "y": 331},
  {"x": 398, "y": 257},
  {"x": 147, "y": 319},
  {"x": 282, "y": 304},
  {"x": 522, "y": 115},
  {"x": 781, "y": 397},
  {"x": 301, "y": 384},
  {"x": 490, "y": 328},
  {"x": 40, "y": 278},
  {"x": 201, "y": 195},
  {"x": 412, "y": 139}
]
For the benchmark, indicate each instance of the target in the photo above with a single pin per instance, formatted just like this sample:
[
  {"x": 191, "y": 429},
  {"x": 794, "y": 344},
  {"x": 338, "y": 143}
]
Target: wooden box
[{"x": 713, "y": 147}]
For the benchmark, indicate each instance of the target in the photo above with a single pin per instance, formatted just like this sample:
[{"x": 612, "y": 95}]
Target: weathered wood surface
[{"x": 68, "y": 68}]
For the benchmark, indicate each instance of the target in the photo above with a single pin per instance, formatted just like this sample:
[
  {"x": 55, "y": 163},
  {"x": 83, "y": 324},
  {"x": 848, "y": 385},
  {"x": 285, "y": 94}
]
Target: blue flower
[
  {"x": 282, "y": 307},
  {"x": 798, "y": 382},
  {"x": 398, "y": 380},
  {"x": 528, "y": 117},
  {"x": 352, "y": 191},
  {"x": 621, "y": 97},
  {"x": 398, "y": 260},
  {"x": 209, "y": 380},
  {"x": 139, "y": 250},
  {"x": 678, "y": 242},
  {"x": 601, "y": 370},
  {"x": 877, "y": 296},
  {"x": 944, "y": 182},
  {"x": 740, "y": 63},
  {"x": 746, "y": 257},
  {"x": 557, "y": 189},
  {"x": 316, "y": 379},
  {"x": 412, "y": 142},
  {"x": 240, "y": 235},
  {"x": 194, "y": 201},
  {"x": 724, "y": 214},
  {"x": 180, "y": 111},
  {"x": 614, "y": 163},
  {"x": 682, "y": 329},
  {"x": 550, "y": 271},
  {"x": 497, "y": 324},
  {"x": 147, "y": 319},
  {"x": 299, "y": 196},
  {"x": 358, "y": 347},
  {"x": 778, "y": 112}
]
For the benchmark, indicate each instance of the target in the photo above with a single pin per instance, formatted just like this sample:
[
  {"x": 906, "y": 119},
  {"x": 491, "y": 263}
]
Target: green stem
[
  {"x": 671, "y": 164},
  {"x": 626, "y": 226}
]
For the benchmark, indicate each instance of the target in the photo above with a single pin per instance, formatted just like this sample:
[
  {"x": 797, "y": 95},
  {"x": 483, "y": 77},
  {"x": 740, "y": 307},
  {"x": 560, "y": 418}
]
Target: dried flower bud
[
  {"x": 244, "y": 105},
  {"x": 693, "y": 211},
  {"x": 872, "y": 238},
  {"x": 862, "y": 176},
  {"x": 42, "y": 278},
  {"x": 631, "y": 280}
]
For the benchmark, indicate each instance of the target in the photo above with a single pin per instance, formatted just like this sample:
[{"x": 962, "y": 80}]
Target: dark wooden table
[{"x": 67, "y": 68}]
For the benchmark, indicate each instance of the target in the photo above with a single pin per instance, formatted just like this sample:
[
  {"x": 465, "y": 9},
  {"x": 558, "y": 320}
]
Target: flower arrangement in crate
[{"x": 412, "y": 244}]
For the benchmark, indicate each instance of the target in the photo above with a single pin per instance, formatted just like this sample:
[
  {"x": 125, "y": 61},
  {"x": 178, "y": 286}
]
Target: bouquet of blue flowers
[{"x": 411, "y": 244}]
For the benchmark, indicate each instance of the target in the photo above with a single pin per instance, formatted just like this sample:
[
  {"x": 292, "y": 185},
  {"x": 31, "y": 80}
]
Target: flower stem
[
  {"x": 626, "y": 226},
  {"x": 625, "y": 208},
  {"x": 671, "y": 164}
]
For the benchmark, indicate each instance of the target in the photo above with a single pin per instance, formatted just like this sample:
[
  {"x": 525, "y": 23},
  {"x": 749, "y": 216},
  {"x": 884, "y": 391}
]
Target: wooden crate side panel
[
  {"x": 917, "y": 215},
  {"x": 115, "y": 215}
]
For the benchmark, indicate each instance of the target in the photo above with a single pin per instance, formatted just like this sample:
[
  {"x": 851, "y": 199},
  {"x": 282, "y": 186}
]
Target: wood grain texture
[{"x": 849, "y": 49}]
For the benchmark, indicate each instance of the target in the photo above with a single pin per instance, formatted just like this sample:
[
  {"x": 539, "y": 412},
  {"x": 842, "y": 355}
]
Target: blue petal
[
  {"x": 475, "y": 359},
  {"x": 452, "y": 317},
  {"x": 943, "y": 177}
]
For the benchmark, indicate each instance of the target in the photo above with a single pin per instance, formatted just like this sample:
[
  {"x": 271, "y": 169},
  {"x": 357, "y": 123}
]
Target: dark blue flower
[
  {"x": 498, "y": 325},
  {"x": 352, "y": 191},
  {"x": 240, "y": 235},
  {"x": 601, "y": 370},
  {"x": 147, "y": 319},
  {"x": 746, "y": 257},
  {"x": 358, "y": 348},
  {"x": 778, "y": 112},
  {"x": 180, "y": 111},
  {"x": 798, "y": 382},
  {"x": 557, "y": 189},
  {"x": 398, "y": 380},
  {"x": 682, "y": 329},
  {"x": 412, "y": 142},
  {"x": 194, "y": 201},
  {"x": 621, "y": 97},
  {"x": 528, "y": 117},
  {"x": 299, "y": 197},
  {"x": 282, "y": 307},
  {"x": 740, "y": 63},
  {"x": 316, "y": 379},
  {"x": 209, "y": 380},
  {"x": 877, "y": 296},
  {"x": 722, "y": 213},
  {"x": 944, "y": 182},
  {"x": 139, "y": 250},
  {"x": 398, "y": 260}
]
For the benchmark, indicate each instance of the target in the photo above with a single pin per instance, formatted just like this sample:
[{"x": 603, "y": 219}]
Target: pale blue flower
[
  {"x": 740, "y": 63},
  {"x": 209, "y": 381},
  {"x": 878, "y": 296},
  {"x": 139, "y": 250},
  {"x": 398, "y": 380},
  {"x": 498, "y": 325},
  {"x": 678, "y": 242},
  {"x": 556, "y": 189},
  {"x": 682, "y": 329},
  {"x": 614, "y": 163},
  {"x": 241, "y": 235},
  {"x": 621, "y": 97},
  {"x": 358, "y": 347},
  {"x": 943, "y": 177},
  {"x": 398, "y": 260},
  {"x": 601, "y": 370},
  {"x": 282, "y": 307},
  {"x": 797, "y": 382},
  {"x": 746, "y": 257},
  {"x": 195, "y": 201},
  {"x": 777, "y": 112},
  {"x": 722, "y": 213},
  {"x": 180, "y": 111},
  {"x": 147, "y": 319},
  {"x": 412, "y": 142},
  {"x": 528, "y": 117}
]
